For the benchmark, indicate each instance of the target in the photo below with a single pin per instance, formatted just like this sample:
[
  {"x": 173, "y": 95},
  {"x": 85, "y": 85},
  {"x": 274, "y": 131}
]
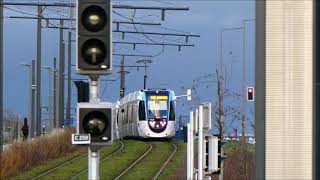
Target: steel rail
[
  {"x": 166, "y": 162},
  {"x": 61, "y": 165},
  {"x": 146, "y": 153},
  {"x": 116, "y": 152}
]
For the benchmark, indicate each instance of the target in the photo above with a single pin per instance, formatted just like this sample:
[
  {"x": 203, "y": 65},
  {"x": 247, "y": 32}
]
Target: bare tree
[
  {"x": 226, "y": 108},
  {"x": 226, "y": 104}
]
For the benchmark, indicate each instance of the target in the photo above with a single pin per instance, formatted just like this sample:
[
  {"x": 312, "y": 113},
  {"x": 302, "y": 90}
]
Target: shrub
[
  {"x": 239, "y": 165},
  {"x": 24, "y": 155}
]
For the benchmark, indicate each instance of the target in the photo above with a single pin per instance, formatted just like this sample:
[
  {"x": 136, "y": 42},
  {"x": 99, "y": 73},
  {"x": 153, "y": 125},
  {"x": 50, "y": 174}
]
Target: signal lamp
[
  {"x": 96, "y": 119},
  {"x": 94, "y": 37}
]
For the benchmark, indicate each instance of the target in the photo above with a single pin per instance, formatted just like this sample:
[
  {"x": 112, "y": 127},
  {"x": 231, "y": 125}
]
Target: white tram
[{"x": 147, "y": 114}]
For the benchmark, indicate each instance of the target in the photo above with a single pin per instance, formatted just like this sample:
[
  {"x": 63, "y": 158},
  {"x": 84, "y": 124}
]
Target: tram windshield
[{"x": 157, "y": 107}]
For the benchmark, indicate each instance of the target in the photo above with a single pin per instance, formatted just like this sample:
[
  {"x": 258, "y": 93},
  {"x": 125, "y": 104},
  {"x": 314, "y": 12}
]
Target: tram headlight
[{"x": 152, "y": 123}]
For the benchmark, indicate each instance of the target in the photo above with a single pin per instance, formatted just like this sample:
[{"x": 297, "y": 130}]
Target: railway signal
[
  {"x": 250, "y": 94},
  {"x": 94, "y": 58},
  {"x": 216, "y": 153},
  {"x": 210, "y": 154},
  {"x": 206, "y": 115},
  {"x": 209, "y": 146},
  {"x": 96, "y": 119},
  {"x": 213, "y": 154},
  {"x": 94, "y": 37}
]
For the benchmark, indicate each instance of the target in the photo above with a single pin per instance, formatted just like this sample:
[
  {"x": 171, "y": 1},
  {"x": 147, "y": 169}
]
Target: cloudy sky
[{"x": 170, "y": 68}]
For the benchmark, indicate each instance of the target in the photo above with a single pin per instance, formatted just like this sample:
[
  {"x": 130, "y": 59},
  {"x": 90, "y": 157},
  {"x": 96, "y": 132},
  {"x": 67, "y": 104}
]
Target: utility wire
[
  {"x": 134, "y": 12},
  {"x": 164, "y": 2},
  {"x": 29, "y": 14},
  {"x": 17, "y": 11}
]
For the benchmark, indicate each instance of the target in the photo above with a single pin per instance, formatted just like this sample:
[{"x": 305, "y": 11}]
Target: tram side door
[
  {"x": 127, "y": 120},
  {"x": 130, "y": 127},
  {"x": 133, "y": 124},
  {"x": 123, "y": 123}
]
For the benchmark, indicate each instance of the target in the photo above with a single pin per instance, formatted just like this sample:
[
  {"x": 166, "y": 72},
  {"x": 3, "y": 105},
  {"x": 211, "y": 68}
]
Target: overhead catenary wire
[
  {"x": 62, "y": 11},
  {"x": 134, "y": 12},
  {"x": 29, "y": 14}
]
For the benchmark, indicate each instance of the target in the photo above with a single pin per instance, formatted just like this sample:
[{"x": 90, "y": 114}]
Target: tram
[{"x": 147, "y": 114}]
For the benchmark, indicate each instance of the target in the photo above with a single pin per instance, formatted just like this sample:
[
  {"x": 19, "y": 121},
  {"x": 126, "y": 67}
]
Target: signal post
[
  {"x": 209, "y": 146},
  {"x": 94, "y": 58}
]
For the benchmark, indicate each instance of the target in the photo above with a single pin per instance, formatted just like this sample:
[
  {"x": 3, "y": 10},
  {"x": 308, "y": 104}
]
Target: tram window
[
  {"x": 142, "y": 113},
  {"x": 123, "y": 116},
  {"x": 118, "y": 117},
  {"x": 172, "y": 115}
]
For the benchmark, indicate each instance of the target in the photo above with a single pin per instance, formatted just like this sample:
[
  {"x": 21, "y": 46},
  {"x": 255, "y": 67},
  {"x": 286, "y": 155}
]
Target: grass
[
  {"x": 77, "y": 166},
  {"x": 112, "y": 167},
  {"x": 22, "y": 156},
  {"x": 39, "y": 169},
  {"x": 176, "y": 163},
  {"x": 116, "y": 164},
  {"x": 149, "y": 165},
  {"x": 232, "y": 146}
]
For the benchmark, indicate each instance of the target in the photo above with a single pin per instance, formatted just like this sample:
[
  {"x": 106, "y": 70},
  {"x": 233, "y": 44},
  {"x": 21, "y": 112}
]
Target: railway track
[
  {"x": 134, "y": 163},
  {"x": 60, "y": 166},
  {"x": 74, "y": 159},
  {"x": 131, "y": 167},
  {"x": 115, "y": 152},
  {"x": 166, "y": 162}
]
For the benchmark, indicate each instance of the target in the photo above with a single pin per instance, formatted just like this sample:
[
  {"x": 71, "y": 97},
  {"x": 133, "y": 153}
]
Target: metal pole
[
  {"x": 192, "y": 143},
  {"x": 50, "y": 123},
  {"x": 33, "y": 131},
  {"x": 196, "y": 121},
  {"x": 38, "y": 86},
  {"x": 1, "y": 77},
  {"x": 221, "y": 44},
  {"x": 221, "y": 61},
  {"x": 122, "y": 78},
  {"x": 60, "y": 97},
  {"x": 93, "y": 151},
  {"x": 145, "y": 82},
  {"x": 243, "y": 85},
  {"x": 222, "y": 164},
  {"x": 30, "y": 100},
  {"x": 94, "y": 89},
  {"x": 190, "y": 157},
  {"x": 69, "y": 80},
  {"x": 200, "y": 144},
  {"x": 54, "y": 118},
  {"x": 145, "y": 62},
  {"x": 145, "y": 76},
  {"x": 189, "y": 162},
  {"x": 93, "y": 163}
]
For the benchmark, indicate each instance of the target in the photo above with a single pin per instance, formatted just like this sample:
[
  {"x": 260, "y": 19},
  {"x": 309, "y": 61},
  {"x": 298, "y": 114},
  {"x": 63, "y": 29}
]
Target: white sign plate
[{"x": 81, "y": 139}]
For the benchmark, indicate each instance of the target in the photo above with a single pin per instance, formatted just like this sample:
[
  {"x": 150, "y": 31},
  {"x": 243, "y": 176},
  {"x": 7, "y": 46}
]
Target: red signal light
[{"x": 250, "y": 94}]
